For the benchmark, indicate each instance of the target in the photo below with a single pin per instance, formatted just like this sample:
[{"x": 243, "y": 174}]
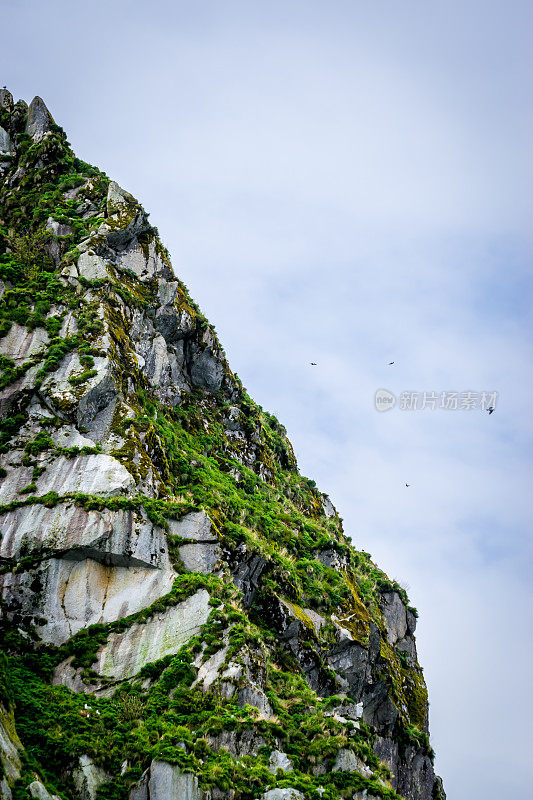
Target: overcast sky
[{"x": 349, "y": 182}]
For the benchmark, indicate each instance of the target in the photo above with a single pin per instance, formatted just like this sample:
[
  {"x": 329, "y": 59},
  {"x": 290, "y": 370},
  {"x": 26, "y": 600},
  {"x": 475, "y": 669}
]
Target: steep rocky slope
[{"x": 182, "y": 615}]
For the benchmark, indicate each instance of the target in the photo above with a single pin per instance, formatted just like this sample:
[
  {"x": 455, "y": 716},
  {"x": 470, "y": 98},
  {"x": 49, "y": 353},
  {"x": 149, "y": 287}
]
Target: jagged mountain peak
[{"x": 182, "y": 613}]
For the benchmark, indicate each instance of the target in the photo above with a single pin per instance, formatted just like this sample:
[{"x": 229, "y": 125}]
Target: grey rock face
[
  {"x": 364, "y": 796},
  {"x": 10, "y": 746},
  {"x": 90, "y": 474},
  {"x": 88, "y": 777},
  {"x": 347, "y": 761},
  {"x": 60, "y": 596},
  {"x": 203, "y": 551},
  {"x": 200, "y": 557},
  {"x": 125, "y": 654},
  {"x": 387, "y": 751},
  {"x": 243, "y": 743},
  {"x": 209, "y": 671},
  {"x": 39, "y": 120},
  {"x": 92, "y": 267},
  {"x": 59, "y": 229},
  {"x": 395, "y": 617},
  {"x": 92, "y": 566},
  {"x": 130, "y": 255},
  {"x": 10, "y": 396},
  {"x": 165, "y": 781},
  {"x": 332, "y": 558},
  {"x": 39, "y": 792},
  {"x": 173, "y": 326},
  {"x": 97, "y": 405},
  {"x": 283, "y": 794},
  {"x": 126, "y": 220},
  {"x": 232, "y": 420},
  {"x": 195, "y": 526},
  {"x": 411, "y": 622},
  {"x": 114, "y": 538},
  {"x": 244, "y": 681},
  {"x": 279, "y": 760},
  {"x": 206, "y": 370},
  {"x": 6, "y": 148},
  {"x": 167, "y": 292},
  {"x": 164, "y": 366},
  {"x": 5, "y": 791},
  {"x": 20, "y": 344},
  {"x": 329, "y": 508},
  {"x": 350, "y": 711},
  {"x": 252, "y": 694}
]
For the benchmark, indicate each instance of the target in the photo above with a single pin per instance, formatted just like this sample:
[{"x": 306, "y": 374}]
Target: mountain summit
[{"x": 182, "y": 615}]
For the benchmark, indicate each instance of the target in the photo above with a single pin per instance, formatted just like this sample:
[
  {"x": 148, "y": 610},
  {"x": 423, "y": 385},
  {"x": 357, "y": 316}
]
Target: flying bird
[
  {"x": 313, "y": 363},
  {"x": 490, "y": 410},
  {"x": 407, "y": 484},
  {"x": 391, "y": 363}
]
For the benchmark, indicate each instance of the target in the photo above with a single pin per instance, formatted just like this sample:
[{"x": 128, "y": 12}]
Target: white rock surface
[
  {"x": 126, "y": 653},
  {"x": 283, "y": 794},
  {"x": 92, "y": 474},
  {"x": 317, "y": 619},
  {"x": 143, "y": 265},
  {"x": 39, "y": 792},
  {"x": 20, "y": 344},
  {"x": 71, "y": 595},
  {"x": 195, "y": 526},
  {"x": 279, "y": 760},
  {"x": 92, "y": 267},
  {"x": 202, "y": 551},
  {"x": 209, "y": 671},
  {"x": 200, "y": 557},
  {"x": 69, "y": 326},
  {"x": 119, "y": 538},
  {"x": 69, "y": 436},
  {"x": 347, "y": 761}
]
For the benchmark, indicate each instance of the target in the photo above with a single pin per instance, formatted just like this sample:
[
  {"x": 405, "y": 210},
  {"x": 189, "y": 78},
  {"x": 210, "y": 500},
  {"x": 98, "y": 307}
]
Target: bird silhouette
[
  {"x": 407, "y": 484},
  {"x": 490, "y": 410},
  {"x": 391, "y": 363},
  {"x": 313, "y": 363}
]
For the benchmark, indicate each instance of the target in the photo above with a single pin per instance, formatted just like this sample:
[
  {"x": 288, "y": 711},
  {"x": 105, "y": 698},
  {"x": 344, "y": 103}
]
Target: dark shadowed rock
[
  {"x": 6, "y": 100},
  {"x": 247, "y": 569}
]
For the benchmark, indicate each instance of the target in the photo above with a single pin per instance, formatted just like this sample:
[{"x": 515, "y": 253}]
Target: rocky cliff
[{"x": 182, "y": 615}]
